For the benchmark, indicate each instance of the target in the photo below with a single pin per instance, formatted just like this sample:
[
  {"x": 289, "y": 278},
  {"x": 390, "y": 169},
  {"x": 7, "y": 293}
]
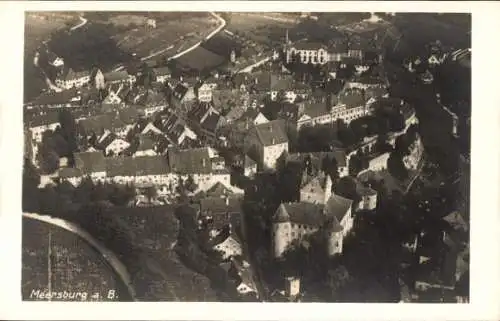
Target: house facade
[{"x": 74, "y": 79}]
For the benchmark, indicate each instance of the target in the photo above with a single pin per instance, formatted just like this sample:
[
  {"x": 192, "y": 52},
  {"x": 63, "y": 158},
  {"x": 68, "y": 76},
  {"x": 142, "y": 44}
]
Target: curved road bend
[
  {"x": 107, "y": 254},
  {"x": 81, "y": 24},
  {"x": 196, "y": 45}
]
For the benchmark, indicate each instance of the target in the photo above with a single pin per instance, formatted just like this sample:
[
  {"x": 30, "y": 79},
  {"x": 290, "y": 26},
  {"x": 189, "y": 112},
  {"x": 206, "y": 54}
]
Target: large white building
[
  {"x": 350, "y": 105},
  {"x": 294, "y": 221}
]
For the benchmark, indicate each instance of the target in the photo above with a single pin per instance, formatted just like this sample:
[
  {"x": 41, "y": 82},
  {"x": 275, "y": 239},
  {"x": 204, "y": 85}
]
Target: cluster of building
[{"x": 168, "y": 134}]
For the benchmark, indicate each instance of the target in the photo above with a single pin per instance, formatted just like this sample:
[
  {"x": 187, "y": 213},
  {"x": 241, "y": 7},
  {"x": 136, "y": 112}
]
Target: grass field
[
  {"x": 75, "y": 266},
  {"x": 260, "y": 28},
  {"x": 138, "y": 39}
]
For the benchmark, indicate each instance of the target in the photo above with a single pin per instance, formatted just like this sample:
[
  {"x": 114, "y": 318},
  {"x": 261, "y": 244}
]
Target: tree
[
  {"x": 31, "y": 180},
  {"x": 150, "y": 192},
  {"x": 68, "y": 130},
  {"x": 396, "y": 166},
  {"x": 337, "y": 278},
  {"x": 47, "y": 157},
  {"x": 190, "y": 185},
  {"x": 330, "y": 167},
  {"x": 381, "y": 145}
]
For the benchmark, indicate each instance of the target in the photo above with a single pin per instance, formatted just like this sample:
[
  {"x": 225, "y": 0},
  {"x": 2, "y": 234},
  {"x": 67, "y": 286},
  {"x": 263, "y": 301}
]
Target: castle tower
[
  {"x": 233, "y": 56},
  {"x": 281, "y": 231},
  {"x": 328, "y": 188},
  {"x": 334, "y": 237}
]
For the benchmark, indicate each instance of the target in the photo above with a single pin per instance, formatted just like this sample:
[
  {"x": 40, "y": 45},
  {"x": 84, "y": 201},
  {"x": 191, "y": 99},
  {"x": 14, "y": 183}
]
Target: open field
[
  {"x": 75, "y": 266},
  {"x": 144, "y": 41},
  {"x": 260, "y": 28}
]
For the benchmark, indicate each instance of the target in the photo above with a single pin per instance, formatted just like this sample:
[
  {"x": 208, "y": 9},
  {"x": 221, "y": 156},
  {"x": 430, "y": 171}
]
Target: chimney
[
  {"x": 203, "y": 162},
  {"x": 270, "y": 128},
  {"x": 226, "y": 199},
  {"x": 272, "y": 141}
]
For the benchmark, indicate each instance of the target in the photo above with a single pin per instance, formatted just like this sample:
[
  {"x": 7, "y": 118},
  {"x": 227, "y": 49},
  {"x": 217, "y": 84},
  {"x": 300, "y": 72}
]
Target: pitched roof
[
  {"x": 211, "y": 122},
  {"x": 113, "y": 76},
  {"x": 44, "y": 119},
  {"x": 314, "y": 110},
  {"x": 146, "y": 142},
  {"x": 318, "y": 157},
  {"x": 352, "y": 98},
  {"x": 308, "y": 45},
  {"x": 456, "y": 220},
  {"x": 100, "y": 123},
  {"x": 191, "y": 161},
  {"x": 337, "y": 206},
  {"x": 271, "y": 133},
  {"x": 162, "y": 71},
  {"x": 248, "y": 162},
  {"x": 301, "y": 213},
  {"x": 71, "y": 95},
  {"x": 136, "y": 166},
  {"x": 90, "y": 162},
  {"x": 281, "y": 83},
  {"x": 69, "y": 172},
  {"x": 71, "y": 74}
]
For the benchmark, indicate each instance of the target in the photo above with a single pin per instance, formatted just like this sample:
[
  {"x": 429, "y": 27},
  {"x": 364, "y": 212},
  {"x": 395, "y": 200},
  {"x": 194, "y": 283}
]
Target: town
[{"x": 316, "y": 167}]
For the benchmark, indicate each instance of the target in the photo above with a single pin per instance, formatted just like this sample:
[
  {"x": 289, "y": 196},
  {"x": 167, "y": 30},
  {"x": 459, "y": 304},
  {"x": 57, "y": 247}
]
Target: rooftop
[
  {"x": 90, "y": 162},
  {"x": 272, "y": 133},
  {"x": 136, "y": 166},
  {"x": 113, "y": 76}
]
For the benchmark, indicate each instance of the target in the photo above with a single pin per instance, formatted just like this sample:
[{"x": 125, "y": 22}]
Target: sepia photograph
[{"x": 246, "y": 156}]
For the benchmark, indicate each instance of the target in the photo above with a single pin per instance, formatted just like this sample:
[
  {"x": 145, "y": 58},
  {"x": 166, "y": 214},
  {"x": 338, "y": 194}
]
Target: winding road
[
  {"x": 196, "y": 45},
  {"x": 81, "y": 24},
  {"x": 107, "y": 254}
]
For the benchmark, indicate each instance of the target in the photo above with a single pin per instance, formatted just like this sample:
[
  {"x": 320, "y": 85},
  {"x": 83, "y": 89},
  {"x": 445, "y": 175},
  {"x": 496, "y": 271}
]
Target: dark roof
[
  {"x": 217, "y": 190},
  {"x": 249, "y": 162},
  {"x": 100, "y": 123},
  {"x": 281, "y": 83},
  {"x": 224, "y": 210},
  {"x": 316, "y": 109},
  {"x": 337, "y": 206},
  {"x": 90, "y": 162},
  {"x": 200, "y": 59},
  {"x": 211, "y": 122},
  {"x": 307, "y": 45},
  {"x": 272, "y": 133},
  {"x": 69, "y": 172},
  {"x": 44, "y": 119},
  {"x": 179, "y": 91},
  {"x": 116, "y": 76},
  {"x": 301, "y": 213},
  {"x": 318, "y": 157},
  {"x": 146, "y": 142},
  {"x": 162, "y": 71},
  {"x": 136, "y": 166},
  {"x": 57, "y": 98},
  {"x": 129, "y": 115},
  {"x": 262, "y": 81},
  {"x": 352, "y": 98},
  {"x": 71, "y": 74},
  {"x": 190, "y": 161},
  {"x": 222, "y": 44}
]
